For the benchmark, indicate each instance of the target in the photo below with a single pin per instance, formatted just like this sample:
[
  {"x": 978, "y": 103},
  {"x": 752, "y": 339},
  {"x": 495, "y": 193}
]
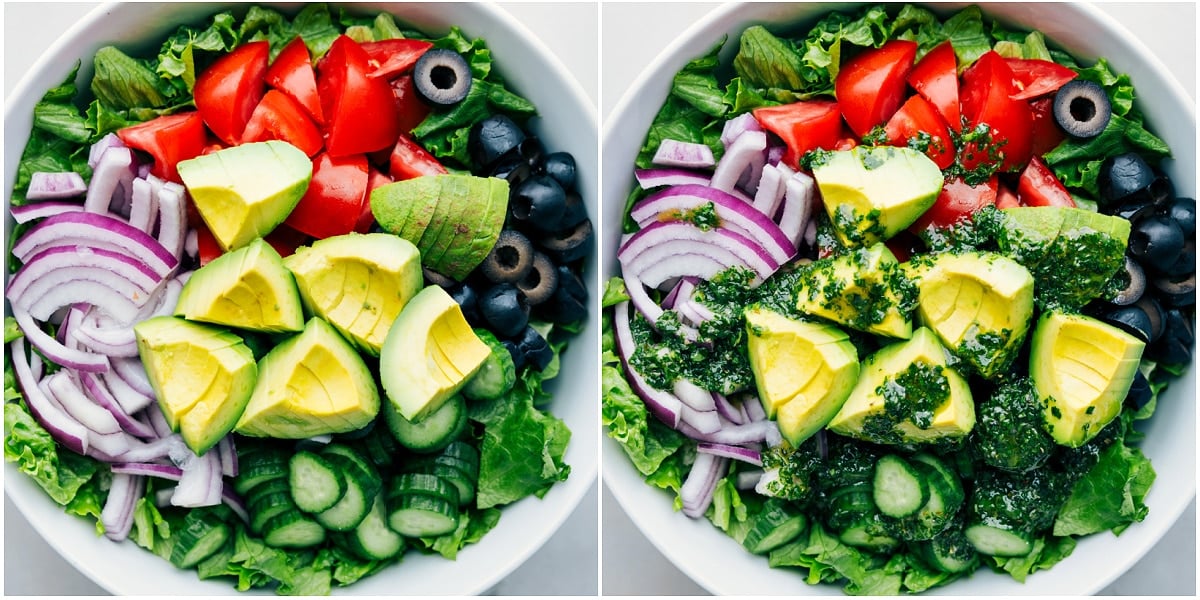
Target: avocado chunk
[
  {"x": 454, "y": 220},
  {"x": 1082, "y": 369},
  {"x": 429, "y": 354},
  {"x": 358, "y": 283},
  {"x": 202, "y": 376},
  {"x": 1072, "y": 253},
  {"x": 312, "y": 384},
  {"x": 907, "y": 394},
  {"x": 244, "y": 192},
  {"x": 978, "y": 303},
  {"x": 863, "y": 289},
  {"x": 248, "y": 288},
  {"x": 803, "y": 371},
  {"x": 873, "y": 193}
]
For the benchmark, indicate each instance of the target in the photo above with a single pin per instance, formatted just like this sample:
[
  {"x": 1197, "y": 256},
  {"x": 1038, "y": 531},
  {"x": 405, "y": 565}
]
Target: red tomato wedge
[
  {"x": 227, "y": 92},
  {"x": 986, "y": 97},
  {"x": 1034, "y": 77},
  {"x": 333, "y": 203},
  {"x": 366, "y": 219},
  {"x": 292, "y": 73},
  {"x": 285, "y": 240},
  {"x": 207, "y": 247},
  {"x": 1005, "y": 198},
  {"x": 389, "y": 58},
  {"x": 278, "y": 117},
  {"x": 360, "y": 110},
  {"x": 1039, "y": 187},
  {"x": 935, "y": 78},
  {"x": 803, "y": 126},
  {"x": 957, "y": 202},
  {"x": 871, "y": 86},
  {"x": 169, "y": 139},
  {"x": 1047, "y": 135},
  {"x": 918, "y": 116},
  {"x": 409, "y": 106},
  {"x": 409, "y": 160}
]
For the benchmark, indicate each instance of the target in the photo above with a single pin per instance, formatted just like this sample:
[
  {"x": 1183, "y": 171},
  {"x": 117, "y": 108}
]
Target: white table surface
[
  {"x": 566, "y": 565},
  {"x": 633, "y": 34}
]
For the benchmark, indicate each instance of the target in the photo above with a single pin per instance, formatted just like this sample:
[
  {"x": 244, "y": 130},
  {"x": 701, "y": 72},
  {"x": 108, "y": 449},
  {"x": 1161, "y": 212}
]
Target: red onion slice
[
  {"x": 99, "y": 393},
  {"x": 697, "y": 491},
  {"x": 726, "y": 409},
  {"x": 770, "y": 191},
  {"x": 732, "y": 213},
  {"x": 114, "y": 170},
  {"x": 754, "y": 408},
  {"x": 97, "y": 231},
  {"x": 41, "y": 210},
  {"x": 228, "y": 455},
  {"x": 128, "y": 398},
  {"x": 110, "y": 140},
  {"x": 747, "y": 480},
  {"x": 63, "y": 387},
  {"x": 61, "y": 426},
  {"x": 55, "y": 186},
  {"x": 738, "y": 125},
  {"x": 674, "y": 153},
  {"x": 647, "y": 250},
  {"x": 746, "y": 455},
  {"x": 133, "y": 373},
  {"x": 161, "y": 471},
  {"x": 143, "y": 208},
  {"x": 706, "y": 422},
  {"x": 201, "y": 482},
  {"x": 655, "y": 178},
  {"x": 56, "y": 351},
  {"x": 694, "y": 396},
  {"x": 745, "y": 156},
  {"x": 798, "y": 200},
  {"x": 117, "y": 514},
  {"x": 665, "y": 407},
  {"x": 172, "y": 219}
]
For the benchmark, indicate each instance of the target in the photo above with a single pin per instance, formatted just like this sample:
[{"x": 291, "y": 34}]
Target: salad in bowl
[
  {"x": 285, "y": 292},
  {"x": 797, "y": 314}
]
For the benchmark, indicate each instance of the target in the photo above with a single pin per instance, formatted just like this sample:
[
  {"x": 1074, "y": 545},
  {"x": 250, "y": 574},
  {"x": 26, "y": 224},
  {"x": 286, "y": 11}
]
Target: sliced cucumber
[
  {"x": 899, "y": 489},
  {"x": 263, "y": 465},
  {"x": 352, "y": 508},
  {"x": 465, "y": 452},
  {"x": 999, "y": 542},
  {"x": 422, "y": 516},
  {"x": 264, "y": 507},
  {"x": 268, "y": 487},
  {"x": 432, "y": 433},
  {"x": 775, "y": 526},
  {"x": 292, "y": 529},
  {"x": 315, "y": 483},
  {"x": 425, "y": 484},
  {"x": 463, "y": 482},
  {"x": 202, "y": 535},
  {"x": 372, "y": 538}
]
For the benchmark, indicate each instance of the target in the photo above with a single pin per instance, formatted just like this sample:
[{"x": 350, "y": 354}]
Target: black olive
[
  {"x": 1131, "y": 319},
  {"x": 1156, "y": 241},
  {"x": 1135, "y": 209},
  {"x": 492, "y": 138},
  {"x": 1122, "y": 175},
  {"x": 1183, "y": 210},
  {"x": 536, "y": 349},
  {"x": 570, "y": 300},
  {"x": 504, "y": 309},
  {"x": 1186, "y": 261},
  {"x": 513, "y": 169},
  {"x": 1156, "y": 314},
  {"x": 538, "y": 203},
  {"x": 574, "y": 213},
  {"x": 468, "y": 300},
  {"x": 560, "y": 166},
  {"x": 1082, "y": 108},
  {"x": 531, "y": 150},
  {"x": 1177, "y": 291},
  {"x": 1137, "y": 283},
  {"x": 510, "y": 259},
  {"x": 1175, "y": 346},
  {"x": 514, "y": 351},
  {"x": 1161, "y": 191},
  {"x": 437, "y": 278},
  {"x": 442, "y": 77},
  {"x": 1139, "y": 391},
  {"x": 540, "y": 282},
  {"x": 570, "y": 245}
]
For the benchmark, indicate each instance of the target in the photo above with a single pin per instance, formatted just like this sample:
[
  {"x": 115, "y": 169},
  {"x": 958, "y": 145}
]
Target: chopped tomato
[
  {"x": 870, "y": 87},
  {"x": 917, "y": 116},
  {"x": 957, "y": 202},
  {"x": 987, "y": 88},
  {"x": 409, "y": 160},
  {"x": 278, "y": 117},
  {"x": 207, "y": 247},
  {"x": 333, "y": 203},
  {"x": 803, "y": 126},
  {"x": 169, "y": 139},
  {"x": 285, "y": 240},
  {"x": 227, "y": 92},
  {"x": 1005, "y": 198},
  {"x": 292, "y": 73},
  {"x": 1039, "y": 187},
  {"x": 1035, "y": 77},
  {"x": 935, "y": 77},
  {"x": 409, "y": 106},
  {"x": 360, "y": 110},
  {"x": 1047, "y": 135},
  {"x": 376, "y": 179},
  {"x": 904, "y": 245},
  {"x": 388, "y": 58}
]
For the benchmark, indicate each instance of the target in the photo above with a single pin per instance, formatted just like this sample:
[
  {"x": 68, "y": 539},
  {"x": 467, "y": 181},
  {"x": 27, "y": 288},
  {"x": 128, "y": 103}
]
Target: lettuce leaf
[
  {"x": 522, "y": 448},
  {"x": 828, "y": 560},
  {"x": 59, "y": 140},
  {"x": 58, "y": 471},
  {"x": 472, "y": 525},
  {"x": 1111, "y": 495},
  {"x": 177, "y": 59},
  {"x": 1047, "y": 552}
]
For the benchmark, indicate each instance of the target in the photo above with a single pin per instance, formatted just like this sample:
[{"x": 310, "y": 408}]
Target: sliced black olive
[
  {"x": 1131, "y": 319},
  {"x": 1175, "y": 346},
  {"x": 1122, "y": 175},
  {"x": 1132, "y": 291},
  {"x": 1139, "y": 391},
  {"x": 504, "y": 309},
  {"x": 569, "y": 302},
  {"x": 468, "y": 300},
  {"x": 1183, "y": 210},
  {"x": 560, "y": 166},
  {"x": 437, "y": 278},
  {"x": 1156, "y": 314},
  {"x": 1161, "y": 191},
  {"x": 1156, "y": 241},
  {"x": 1186, "y": 261},
  {"x": 1177, "y": 291},
  {"x": 541, "y": 280},
  {"x": 536, "y": 349},
  {"x": 538, "y": 203},
  {"x": 514, "y": 351},
  {"x": 570, "y": 245},
  {"x": 512, "y": 168},
  {"x": 492, "y": 138},
  {"x": 510, "y": 259},
  {"x": 1082, "y": 108},
  {"x": 574, "y": 214},
  {"x": 442, "y": 77}
]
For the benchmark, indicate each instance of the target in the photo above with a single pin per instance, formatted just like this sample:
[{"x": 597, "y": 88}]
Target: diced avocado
[
  {"x": 312, "y": 384},
  {"x": 873, "y": 193},
  {"x": 248, "y": 288},
  {"x": 358, "y": 283},
  {"x": 429, "y": 354},
  {"x": 864, "y": 289},
  {"x": 244, "y": 192},
  {"x": 978, "y": 303},
  {"x": 202, "y": 376},
  {"x": 1082, "y": 369},
  {"x": 454, "y": 220},
  {"x": 1072, "y": 253},
  {"x": 803, "y": 371},
  {"x": 906, "y": 393}
]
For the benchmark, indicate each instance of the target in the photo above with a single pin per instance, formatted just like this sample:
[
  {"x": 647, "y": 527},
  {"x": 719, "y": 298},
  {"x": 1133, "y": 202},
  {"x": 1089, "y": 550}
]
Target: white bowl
[
  {"x": 567, "y": 122},
  {"x": 716, "y": 561}
]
